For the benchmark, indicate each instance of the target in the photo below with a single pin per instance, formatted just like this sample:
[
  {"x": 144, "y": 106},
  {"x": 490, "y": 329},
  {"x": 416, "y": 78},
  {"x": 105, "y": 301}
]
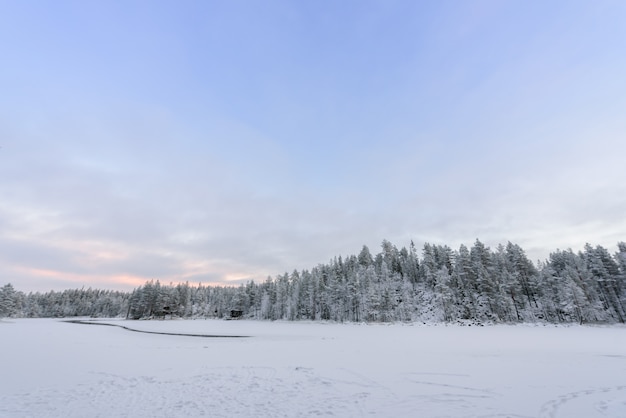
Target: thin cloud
[{"x": 282, "y": 137}]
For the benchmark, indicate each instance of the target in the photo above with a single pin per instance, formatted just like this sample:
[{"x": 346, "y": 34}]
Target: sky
[{"x": 220, "y": 142}]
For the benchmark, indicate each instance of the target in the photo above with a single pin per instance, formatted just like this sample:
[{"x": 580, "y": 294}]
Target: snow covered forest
[{"x": 474, "y": 284}]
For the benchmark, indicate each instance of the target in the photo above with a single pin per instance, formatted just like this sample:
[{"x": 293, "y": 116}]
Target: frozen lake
[{"x": 52, "y": 368}]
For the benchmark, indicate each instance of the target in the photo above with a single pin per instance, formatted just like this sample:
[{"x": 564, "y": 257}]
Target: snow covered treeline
[
  {"x": 74, "y": 302},
  {"x": 396, "y": 285},
  {"x": 476, "y": 284}
]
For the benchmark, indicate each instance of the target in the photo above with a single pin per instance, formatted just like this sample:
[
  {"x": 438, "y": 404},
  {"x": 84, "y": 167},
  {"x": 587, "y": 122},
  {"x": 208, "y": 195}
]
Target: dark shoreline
[{"x": 91, "y": 322}]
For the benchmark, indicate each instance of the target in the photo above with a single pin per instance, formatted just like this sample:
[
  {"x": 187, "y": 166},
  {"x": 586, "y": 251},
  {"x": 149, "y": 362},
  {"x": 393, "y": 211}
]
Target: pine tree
[{"x": 8, "y": 300}]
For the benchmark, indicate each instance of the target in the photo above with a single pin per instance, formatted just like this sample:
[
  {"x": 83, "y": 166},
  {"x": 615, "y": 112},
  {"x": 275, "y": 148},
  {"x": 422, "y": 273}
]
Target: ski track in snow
[
  {"x": 247, "y": 392},
  {"x": 221, "y": 392},
  {"x": 281, "y": 392},
  {"x": 601, "y": 399}
]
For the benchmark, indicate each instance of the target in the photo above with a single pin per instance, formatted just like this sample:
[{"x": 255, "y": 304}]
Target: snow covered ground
[{"x": 51, "y": 368}]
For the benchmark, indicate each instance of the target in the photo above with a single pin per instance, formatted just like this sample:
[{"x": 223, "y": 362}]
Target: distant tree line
[
  {"x": 443, "y": 285},
  {"x": 67, "y": 303}
]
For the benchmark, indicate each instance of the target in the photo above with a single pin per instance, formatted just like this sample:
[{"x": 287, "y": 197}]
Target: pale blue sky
[{"x": 223, "y": 141}]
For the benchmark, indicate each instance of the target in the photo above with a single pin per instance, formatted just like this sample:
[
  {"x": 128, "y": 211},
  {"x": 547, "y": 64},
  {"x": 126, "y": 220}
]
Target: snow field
[{"x": 52, "y": 368}]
